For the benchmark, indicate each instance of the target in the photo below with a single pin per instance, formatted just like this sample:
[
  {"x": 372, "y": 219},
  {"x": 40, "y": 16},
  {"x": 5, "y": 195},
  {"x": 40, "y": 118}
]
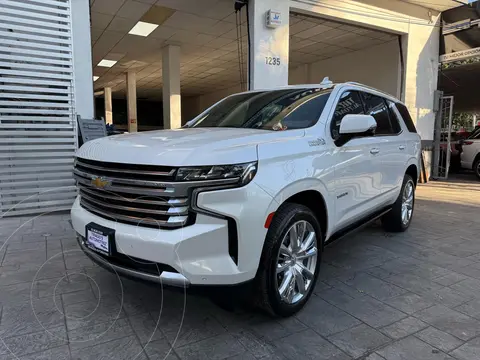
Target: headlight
[{"x": 244, "y": 172}]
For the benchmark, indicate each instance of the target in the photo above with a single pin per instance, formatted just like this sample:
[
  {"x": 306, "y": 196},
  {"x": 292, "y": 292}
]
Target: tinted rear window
[{"x": 402, "y": 109}]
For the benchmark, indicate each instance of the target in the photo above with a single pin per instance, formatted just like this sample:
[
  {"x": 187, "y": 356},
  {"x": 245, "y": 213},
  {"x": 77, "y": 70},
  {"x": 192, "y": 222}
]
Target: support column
[
  {"x": 172, "y": 114},
  {"x": 268, "y": 57},
  {"x": 132, "y": 101},
  {"x": 108, "y": 105},
  {"x": 82, "y": 58}
]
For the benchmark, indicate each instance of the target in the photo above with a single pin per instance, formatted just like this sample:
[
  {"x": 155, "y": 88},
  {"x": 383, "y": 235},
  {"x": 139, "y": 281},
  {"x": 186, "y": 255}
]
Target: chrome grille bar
[
  {"x": 82, "y": 163},
  {"x": 140, "y": 200},
  {"x": 134, "y": 219},
  {"x": 172, "y": 211}
]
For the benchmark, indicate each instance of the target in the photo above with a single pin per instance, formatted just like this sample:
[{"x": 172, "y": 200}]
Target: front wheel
[
  {"x": 399, "y": 218},
  {"x": 476, "y": 168},
  {"x": 290, "y": 261}
]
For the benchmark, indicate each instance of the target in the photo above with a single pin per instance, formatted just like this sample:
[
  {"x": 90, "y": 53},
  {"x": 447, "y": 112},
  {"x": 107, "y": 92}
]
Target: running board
[{"x": 358, "y": 225}]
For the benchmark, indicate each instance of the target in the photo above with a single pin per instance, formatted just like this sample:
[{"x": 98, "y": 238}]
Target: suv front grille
[{"x": 141, "y": 195}]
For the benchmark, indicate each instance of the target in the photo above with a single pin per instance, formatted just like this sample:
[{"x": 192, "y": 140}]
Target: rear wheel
[
  {"x": 290, "y": 261},
  {"x": 400, "y": 217}
]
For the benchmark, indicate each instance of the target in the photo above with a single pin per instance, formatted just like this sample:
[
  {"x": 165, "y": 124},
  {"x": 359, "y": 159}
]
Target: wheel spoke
[
  {"x": 309, "y": 241},
  {"x": 308, "y": 254},
  {"x": 300, "y": 281},
  {"x": 282, "y": 267},
  {"x": 304, "y": 271},
  {"x": 293, "y": 234},
  {"x": 285, "y": 283},
  {"x": 284, "y": 251}
]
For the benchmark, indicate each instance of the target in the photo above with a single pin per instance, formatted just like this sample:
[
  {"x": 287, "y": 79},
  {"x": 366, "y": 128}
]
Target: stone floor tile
[
  {"x": 78, "y": 297},
  {"x": 413, "y": 283},
  {"x": 146, "y": 328},
  {"x": 99, "y": 333},
  {"x": 359, "y": 340},
  {"x": 446, "y": 296},
  {"x": 372, "y": 311},
  {"x": 412, "y": 348},
  {"x": 272, "y": 330},
  {"x": 126, "y": 348},
  {"x": 404, "y": 328},
  {"x": 409, "y": 303},
  {"x": 453, "y": 322},
  {"x": 213, "y": 348},
  {"x": 468, "y": 287},
  {"x": 36, "y": 342},
  {"x": 373, "y": 286},
  {"x": 450, "y": 279},
  {"x": 60, "y": 353},
  {"x": 182, "y": 330},
  {"x": 70, "y": 282},
  {"x": 439, "y": 339},
  {"x": 468, "y": 351},
  {"x": 30, "y": 316},
  {"x": 106, "y": 309},
  {"x": 162, "y": 350},
  {"x": 324, "y": 318},
  {"x": 309, "y": 345},
  {"x": 470, "y": 308}
]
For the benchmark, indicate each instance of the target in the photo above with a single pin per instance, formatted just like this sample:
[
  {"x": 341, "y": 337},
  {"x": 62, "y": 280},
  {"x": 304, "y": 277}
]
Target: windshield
[{"x": 267, "y": 110}]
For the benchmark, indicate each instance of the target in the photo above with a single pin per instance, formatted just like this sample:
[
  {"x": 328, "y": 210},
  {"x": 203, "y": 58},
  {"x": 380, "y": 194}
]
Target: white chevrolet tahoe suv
[{"x": 249, "y": 191}]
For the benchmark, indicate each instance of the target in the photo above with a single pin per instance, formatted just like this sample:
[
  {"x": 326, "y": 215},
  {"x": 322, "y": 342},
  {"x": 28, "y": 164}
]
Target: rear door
[{"x": 389, "y": 151}]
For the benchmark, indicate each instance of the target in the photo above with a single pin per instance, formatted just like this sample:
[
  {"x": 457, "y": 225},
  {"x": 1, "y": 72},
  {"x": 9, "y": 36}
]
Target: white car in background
[
  {"x": 250, "y": 191},
  {"x": 470, "y": 156}
]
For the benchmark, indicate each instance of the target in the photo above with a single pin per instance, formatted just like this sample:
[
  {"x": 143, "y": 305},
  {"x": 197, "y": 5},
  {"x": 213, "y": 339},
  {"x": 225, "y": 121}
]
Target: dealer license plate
[{"x": 99, "y": 238}]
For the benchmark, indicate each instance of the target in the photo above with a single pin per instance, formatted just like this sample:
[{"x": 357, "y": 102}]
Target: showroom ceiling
[{"x": 207, "y": 34}]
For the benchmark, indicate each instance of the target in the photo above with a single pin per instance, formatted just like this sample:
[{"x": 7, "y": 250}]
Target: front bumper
[
  {"x": 199, "y": 253},
  {"x": 163, "y": 278}
]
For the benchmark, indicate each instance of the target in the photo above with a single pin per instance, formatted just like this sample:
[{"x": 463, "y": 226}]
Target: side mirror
[{"x": 353, "y": 124}]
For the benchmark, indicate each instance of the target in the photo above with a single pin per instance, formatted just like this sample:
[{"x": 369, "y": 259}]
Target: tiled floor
[{"x": 380, "y": 296}]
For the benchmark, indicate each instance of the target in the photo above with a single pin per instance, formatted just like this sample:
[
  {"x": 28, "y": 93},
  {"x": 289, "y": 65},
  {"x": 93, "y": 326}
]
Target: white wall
[
  {"x": 377, "y": 66},
  {"x": 82, "y": 58}
]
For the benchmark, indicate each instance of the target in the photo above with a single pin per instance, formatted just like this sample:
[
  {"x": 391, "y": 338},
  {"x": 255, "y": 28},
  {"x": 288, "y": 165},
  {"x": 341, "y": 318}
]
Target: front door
[{"x": 355, "y": 171}]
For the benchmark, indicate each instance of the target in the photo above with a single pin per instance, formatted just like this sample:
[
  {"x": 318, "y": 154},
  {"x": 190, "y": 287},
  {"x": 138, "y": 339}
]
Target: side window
[
  {"x": 402, "y": 109},
  {"x": 394, "y": 120},
  {"x": 349, "y": 103},
  {"x": 376, "y": 106}
]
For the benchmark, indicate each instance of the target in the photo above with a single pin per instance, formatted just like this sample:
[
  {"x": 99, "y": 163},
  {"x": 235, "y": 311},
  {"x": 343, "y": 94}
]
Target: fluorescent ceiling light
[
  {"x": 107, "y": 63},
  {"x": 95, "y": 78},
  {"x": 143, "y": 28}
]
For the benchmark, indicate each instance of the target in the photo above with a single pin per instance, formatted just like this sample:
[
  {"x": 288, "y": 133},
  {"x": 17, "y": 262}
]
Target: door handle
[
  {"x": 401, "y": 147},
  {"x": 374, "y": 151}
]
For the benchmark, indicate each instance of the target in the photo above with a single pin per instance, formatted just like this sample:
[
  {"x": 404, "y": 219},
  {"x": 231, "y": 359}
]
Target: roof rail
[{"x": 369, "y": 87}]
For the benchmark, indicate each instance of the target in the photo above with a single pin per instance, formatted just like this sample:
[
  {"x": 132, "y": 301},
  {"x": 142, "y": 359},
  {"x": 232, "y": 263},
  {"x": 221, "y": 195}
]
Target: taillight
[{"x": 467, "y": 142}]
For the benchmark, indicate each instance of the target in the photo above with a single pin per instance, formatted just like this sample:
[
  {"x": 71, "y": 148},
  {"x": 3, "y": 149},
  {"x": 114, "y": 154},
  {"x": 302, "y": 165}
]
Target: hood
[{"x": 184, "y": 147}]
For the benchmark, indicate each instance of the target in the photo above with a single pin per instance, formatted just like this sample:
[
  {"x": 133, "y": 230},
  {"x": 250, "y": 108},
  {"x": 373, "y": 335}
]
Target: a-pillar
[
  {"x": 172, "y": 116},
  {"x": 268, "y": 65},
  {"x": 108, "y": 105},
  {"x": 132, "y": 101}
]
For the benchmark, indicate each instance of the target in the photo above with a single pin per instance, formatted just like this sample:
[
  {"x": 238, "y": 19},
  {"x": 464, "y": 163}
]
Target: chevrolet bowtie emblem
[{"x": 100, "y": 182}]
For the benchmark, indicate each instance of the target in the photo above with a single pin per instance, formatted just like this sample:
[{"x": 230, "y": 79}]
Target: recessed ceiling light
[
  {"x": 95, "y": 78},
  {"x": 107, "y": 63},
  {"x": 143, "y": 28}
]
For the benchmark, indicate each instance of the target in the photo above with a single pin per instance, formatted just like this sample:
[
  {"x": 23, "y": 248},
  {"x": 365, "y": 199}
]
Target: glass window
[
  {"x": 475, "y": 134},
  {"x": 402, "y": 109},
  {"x": 376, "y": 106},
  {"x": 267, "y": 110},
  {"x": 394, "y": 120},
  {"x": 349, "y": 103}
]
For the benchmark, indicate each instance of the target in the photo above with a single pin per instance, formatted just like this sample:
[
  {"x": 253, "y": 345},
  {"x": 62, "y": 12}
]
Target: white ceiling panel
[
  {"x": 109, "y": 7},
  {"x": 133, "y": 10}
]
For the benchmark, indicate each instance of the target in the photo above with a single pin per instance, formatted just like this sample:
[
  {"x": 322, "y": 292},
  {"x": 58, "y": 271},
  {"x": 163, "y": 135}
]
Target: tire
[
  {"x": 268, "y": 283},
  {"x": 394, "y": 221},
  {"x": 476, "y": 168}
]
